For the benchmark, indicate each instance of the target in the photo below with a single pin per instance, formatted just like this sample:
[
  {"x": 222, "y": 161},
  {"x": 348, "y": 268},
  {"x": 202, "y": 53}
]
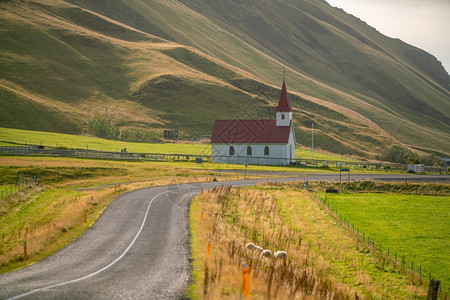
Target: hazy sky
[{"x": 421, "y": 23}]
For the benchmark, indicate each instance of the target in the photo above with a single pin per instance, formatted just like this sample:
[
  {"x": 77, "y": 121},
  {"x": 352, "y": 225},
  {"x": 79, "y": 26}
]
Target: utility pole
[{"x": 312, "y": 142}]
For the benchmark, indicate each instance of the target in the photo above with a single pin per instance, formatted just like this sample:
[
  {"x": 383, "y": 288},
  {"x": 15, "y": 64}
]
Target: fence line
[
  {"x": 23, "y": 181},
  {"x": 83, "y": 153},
  {"x": 416, "y": 273}
]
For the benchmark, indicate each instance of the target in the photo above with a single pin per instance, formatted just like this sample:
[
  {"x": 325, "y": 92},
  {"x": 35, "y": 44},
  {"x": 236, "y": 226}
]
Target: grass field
[
  {"x": 10, "y": 137},
  {"x": 414, "y": 226}
]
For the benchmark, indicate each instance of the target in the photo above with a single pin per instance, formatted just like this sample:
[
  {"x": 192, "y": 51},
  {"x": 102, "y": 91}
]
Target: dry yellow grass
[
  {"x": 68, "y": 222},
  {"x": 325, "y": 261}
]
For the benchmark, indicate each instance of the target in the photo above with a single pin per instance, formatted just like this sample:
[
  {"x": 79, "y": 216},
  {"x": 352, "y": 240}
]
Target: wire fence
[
  {"x": 23, "y": 181},
  {"x": 406, "y": 266},
  {"x": 7, "y": 190}
]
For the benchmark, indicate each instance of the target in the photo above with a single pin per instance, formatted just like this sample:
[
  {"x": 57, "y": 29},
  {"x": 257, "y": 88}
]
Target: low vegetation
[
  {"x": 324, "y": 258},
  {"x": 369, "y": 186}
]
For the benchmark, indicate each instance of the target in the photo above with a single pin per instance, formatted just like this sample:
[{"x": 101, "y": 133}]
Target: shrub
[
  {"x": 398, "y": 154},
  {"x": 102, "y": 127}
]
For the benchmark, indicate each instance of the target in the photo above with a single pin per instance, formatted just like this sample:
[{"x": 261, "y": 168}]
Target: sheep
[
  {"x": 257, "y": 248},
  {"x": 266, "y": 253},
  {"x": 280, "y": 255},
  {"x": 250, "y": 246}
]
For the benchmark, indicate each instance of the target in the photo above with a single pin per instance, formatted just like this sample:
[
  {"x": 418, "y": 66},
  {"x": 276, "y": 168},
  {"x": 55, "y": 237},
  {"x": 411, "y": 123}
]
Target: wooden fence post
[
  {"x": 433, "y": 289},
  {"x": 25, "y": 251}
]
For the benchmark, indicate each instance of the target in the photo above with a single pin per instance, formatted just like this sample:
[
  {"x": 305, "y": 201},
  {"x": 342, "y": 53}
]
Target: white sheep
[
  {"x": 250, "y": 246},
  {"x": 266, "y": 253},
  {"x": 280, "y": 254},
  {"x": 258, "y": 248}
]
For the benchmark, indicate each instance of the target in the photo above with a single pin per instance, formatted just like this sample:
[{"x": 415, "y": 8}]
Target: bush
[
  {"x": 431, "y": 160},
  {"x": 404, "y": 156},
  {"x": 139, "y": 135},
  {"x": 102, "y": 127}
]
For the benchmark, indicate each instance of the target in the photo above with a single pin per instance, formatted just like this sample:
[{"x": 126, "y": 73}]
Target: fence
[
  {"x": 384, "y": 253},
  {"x": 82, "y": 153},
  {"x": 23, "y": 181},
  {"x": 7, "y": 191}
]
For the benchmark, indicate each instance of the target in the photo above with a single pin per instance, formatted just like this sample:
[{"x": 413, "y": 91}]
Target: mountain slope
[{"x": 182, "y": 64}]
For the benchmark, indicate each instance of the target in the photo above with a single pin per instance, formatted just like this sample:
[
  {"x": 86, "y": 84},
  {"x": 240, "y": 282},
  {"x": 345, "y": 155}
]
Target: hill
[{"x": 181, "y": 64}]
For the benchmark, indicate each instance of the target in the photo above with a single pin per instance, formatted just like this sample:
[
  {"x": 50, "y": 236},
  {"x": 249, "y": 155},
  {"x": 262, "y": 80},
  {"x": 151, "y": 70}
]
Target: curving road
[{"x": 137, "y": 249}]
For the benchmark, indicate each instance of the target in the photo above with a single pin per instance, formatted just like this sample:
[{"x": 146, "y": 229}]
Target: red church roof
[
  {"x": 249, "y": 131},
  {"x": 283, "y": 103}
]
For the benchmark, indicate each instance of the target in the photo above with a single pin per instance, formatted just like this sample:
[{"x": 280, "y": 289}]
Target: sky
[{"x": 421, "y": 23}]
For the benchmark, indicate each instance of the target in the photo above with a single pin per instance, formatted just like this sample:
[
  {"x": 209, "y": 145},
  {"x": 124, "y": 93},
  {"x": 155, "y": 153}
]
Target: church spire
[{"x": 283, "y": 103}]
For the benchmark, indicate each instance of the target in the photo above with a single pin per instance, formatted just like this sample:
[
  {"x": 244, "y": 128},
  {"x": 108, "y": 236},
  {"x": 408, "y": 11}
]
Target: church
[{"x": 256, "y": 142}]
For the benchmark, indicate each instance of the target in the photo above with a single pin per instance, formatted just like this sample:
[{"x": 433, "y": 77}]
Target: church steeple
[{"x": 284, "y": 110}]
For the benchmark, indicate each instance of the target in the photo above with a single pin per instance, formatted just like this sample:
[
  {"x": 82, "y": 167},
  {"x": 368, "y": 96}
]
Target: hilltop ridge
[{"x": 154, "y": 65}]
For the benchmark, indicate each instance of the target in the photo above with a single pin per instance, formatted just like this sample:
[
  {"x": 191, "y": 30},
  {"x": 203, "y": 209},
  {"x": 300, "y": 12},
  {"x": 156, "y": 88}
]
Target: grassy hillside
[{"x": 183, "y": 64}]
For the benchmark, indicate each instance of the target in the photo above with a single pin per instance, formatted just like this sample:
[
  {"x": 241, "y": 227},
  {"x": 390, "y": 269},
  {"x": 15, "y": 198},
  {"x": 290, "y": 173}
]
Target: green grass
[
  {"x": 414, "y": 226},
  {"x": 51, "y": 139},
  {"x": 10, "y": 136}
]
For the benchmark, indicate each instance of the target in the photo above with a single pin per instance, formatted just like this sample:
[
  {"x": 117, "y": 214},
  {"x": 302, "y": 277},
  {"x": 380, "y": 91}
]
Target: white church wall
[
  {"x": 291, "y": 145},
  {"x": 278, "y": 154}
]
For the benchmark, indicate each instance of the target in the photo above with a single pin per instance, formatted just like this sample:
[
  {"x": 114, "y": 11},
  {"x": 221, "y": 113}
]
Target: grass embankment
[
  {"x": 324, "y": 259},
  {"x": 51, "y": 215},
  {"x": 414, "y": 226},
  {"x": 47, "y": 219}
]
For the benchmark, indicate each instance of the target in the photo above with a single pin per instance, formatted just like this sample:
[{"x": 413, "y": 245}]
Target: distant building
[
  {"x": 256, "y": 142},
  {"x": 171, "y": 135},
  {"x": 447, "y": 161}
]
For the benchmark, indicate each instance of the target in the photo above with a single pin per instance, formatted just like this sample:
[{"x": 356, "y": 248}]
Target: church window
[
  {"x": 282, "y": 116},
  {"x": 231, "y": 150},
  {"x": 249, "y": 150},
  {"x": 266, "y": 150}
]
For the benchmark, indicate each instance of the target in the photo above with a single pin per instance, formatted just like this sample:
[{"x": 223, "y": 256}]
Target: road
[{"x": 137, "y": 249}]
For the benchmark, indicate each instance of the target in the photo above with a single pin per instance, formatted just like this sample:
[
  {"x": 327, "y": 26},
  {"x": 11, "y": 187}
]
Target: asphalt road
[{"x": 137, "y": 249}]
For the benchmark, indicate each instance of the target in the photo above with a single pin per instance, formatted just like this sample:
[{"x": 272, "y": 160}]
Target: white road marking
[{"x": 102, "y": 269}]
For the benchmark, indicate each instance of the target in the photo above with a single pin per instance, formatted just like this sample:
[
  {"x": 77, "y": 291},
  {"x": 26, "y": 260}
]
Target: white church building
[{"x": 256, "y": 142}]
